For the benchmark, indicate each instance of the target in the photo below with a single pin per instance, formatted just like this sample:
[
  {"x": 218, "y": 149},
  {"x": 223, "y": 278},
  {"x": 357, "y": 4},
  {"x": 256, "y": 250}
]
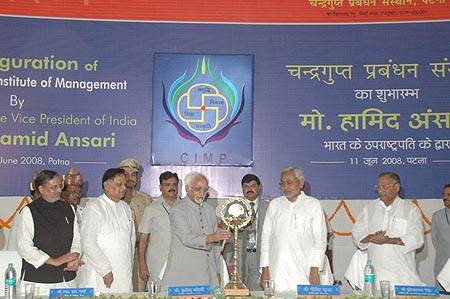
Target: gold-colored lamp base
[
  {"x": 237, "y": 292},
  {"x": 236, "y": 288}
]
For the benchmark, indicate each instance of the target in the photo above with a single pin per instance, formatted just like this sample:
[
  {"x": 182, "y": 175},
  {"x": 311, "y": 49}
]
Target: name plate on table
[
  {"x": 190, "y": 291},
  {"x": 71, "y": 292},
  {"x": 416, "y": 291},
  {"x": 310, "y": 291}
]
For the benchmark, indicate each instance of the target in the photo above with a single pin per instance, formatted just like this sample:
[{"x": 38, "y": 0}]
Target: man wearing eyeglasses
[
  {"x": 154, "y": 229},
  {"x": 195, "y": 236},
  {"x": 391, "y": 230},
  {"x": 294, "y": 238},
  {"x": 48, "y": 240}
]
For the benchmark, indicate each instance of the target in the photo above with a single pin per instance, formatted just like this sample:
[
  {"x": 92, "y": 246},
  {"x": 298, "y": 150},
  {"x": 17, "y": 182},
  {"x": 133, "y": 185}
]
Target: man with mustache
[
  {"x": 195, "y": 236},
  {"x": 250, "y": 237},
  {"x": 71, "y": 192},
  {"x": 154, "y": 229},
  {"x": 138, "y": 201}
]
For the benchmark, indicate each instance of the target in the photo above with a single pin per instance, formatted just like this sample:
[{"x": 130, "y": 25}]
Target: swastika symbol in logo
[{"x": 202, "y": 107}]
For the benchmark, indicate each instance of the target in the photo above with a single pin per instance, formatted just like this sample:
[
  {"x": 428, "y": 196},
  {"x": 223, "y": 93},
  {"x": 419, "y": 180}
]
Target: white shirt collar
[
  {"x": 388, "y": 208},
  {"x": 109, "y": 200}
]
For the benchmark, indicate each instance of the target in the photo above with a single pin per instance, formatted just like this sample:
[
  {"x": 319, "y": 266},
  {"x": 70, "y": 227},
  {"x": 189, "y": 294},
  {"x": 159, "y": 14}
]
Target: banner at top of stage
[{"x": 238, "y": 11}]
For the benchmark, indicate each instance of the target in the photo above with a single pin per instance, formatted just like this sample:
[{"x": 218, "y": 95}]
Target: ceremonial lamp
[{"x": 236, "y": 212}]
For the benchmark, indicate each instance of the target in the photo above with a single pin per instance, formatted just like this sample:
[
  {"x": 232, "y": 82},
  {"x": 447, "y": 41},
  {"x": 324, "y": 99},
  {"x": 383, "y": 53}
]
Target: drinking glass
[
  {"x": 385, "y": 287},
  {"x": 269, "y": 288},
  {"x": 29, "y": 290},
  {"x": 153, "y": 288}
]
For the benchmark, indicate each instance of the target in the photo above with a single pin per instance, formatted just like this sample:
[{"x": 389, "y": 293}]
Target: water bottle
[
  {"x": 369, "y": 279},
  {"x": 10, "y": 282}
]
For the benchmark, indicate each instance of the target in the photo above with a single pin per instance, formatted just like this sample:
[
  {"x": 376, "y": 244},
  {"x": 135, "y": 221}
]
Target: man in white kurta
[
  {"x": 294, "y": 238},
  {"x": 108, "y": 238},
  {"x": 11, "y": 243},
  {"x": 391, "y": 230}
]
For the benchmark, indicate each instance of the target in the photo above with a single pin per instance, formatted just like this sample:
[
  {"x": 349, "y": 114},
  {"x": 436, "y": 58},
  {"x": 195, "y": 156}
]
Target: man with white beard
[{"x": 194, "y": 247}]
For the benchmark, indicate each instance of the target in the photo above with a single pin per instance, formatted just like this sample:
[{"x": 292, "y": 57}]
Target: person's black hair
[
  {"x": 250, "y": 177},
  {"x": 167, "y": 175},
  {"x": 44, "y": 176},
  {"x": 111, "y": 173}
]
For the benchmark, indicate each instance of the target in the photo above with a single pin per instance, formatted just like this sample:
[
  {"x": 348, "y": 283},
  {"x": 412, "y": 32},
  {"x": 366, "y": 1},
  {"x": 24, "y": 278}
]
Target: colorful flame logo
[{"x": 203, "y": 108}]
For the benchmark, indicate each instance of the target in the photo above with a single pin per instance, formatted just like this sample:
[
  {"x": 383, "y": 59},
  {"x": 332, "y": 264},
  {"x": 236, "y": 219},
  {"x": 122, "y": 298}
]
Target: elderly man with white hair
[
  {"x": 195, "y": 241},
  {"x": 390, "y": 229},
  {"x": 294, "y": 238}
]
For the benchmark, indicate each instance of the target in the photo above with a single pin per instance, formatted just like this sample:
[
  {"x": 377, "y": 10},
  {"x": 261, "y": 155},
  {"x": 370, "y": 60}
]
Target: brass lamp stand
[{"x": 236, "y": 212}]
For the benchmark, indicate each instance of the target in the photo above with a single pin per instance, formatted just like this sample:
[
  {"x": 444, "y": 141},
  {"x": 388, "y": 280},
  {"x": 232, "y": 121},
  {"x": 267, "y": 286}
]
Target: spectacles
[
  {"x": 56, "y": 187},
  {"x": 198, "y": 189},
  {"x": 383, "y": 187}
]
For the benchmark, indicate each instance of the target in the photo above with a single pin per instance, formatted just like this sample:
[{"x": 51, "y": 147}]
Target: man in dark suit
[{"x": 249, "y": 237}]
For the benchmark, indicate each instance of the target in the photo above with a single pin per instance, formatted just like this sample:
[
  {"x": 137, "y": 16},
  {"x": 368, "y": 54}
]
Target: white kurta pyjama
[
  {"x": 294, "y": 239},
  {"x": 108, "y": 239},
  {"x": 392, "y": 262}
]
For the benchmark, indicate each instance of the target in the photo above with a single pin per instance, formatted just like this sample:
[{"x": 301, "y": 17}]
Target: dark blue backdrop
[{"x": 125, "y": 51}]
